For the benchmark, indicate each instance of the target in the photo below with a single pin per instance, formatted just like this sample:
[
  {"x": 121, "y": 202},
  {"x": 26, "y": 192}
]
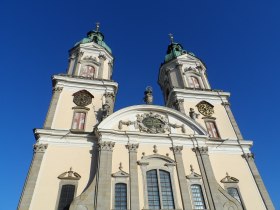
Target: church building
[{"x": 188, "y": 154}]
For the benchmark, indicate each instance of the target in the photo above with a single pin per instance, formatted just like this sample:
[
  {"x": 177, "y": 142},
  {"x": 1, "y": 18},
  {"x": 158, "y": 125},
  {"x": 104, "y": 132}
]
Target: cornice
[{"x": 71, "y": 81}]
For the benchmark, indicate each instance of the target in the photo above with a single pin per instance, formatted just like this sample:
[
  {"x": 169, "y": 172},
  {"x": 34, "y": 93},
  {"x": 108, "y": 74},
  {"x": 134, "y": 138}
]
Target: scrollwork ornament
[
  {"x": 205, "y": 108},
  {"x": 106, "y": 145},
  {"x": 177, "y": 149},
  {"x": 40, "y": 148},
  {"x": 201, "y": 150},
  {"x": 132, "y": 147}
]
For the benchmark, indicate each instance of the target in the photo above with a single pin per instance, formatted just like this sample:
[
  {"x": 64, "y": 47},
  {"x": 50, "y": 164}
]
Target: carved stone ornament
[
  {"x": 177, "y": 149},
  {"x": 152, "y": 123},
  {"x": 70, "y": 175},
  {"x": 106, "y": 145},
  {"x": 40, "y": 147},
  {"x": 202, "y": 150},
  {"x": 132, "y": 147},
  {"x": 57, "y": 89},
  {"x": 82, "y": 98},
  {"x": 229, "y": 179},
  {"x": 249, "y": 156},
  {"x": 205, "y": 108}
]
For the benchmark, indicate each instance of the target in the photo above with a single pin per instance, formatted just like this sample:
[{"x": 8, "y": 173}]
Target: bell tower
[{"x": 82, "y": 98}]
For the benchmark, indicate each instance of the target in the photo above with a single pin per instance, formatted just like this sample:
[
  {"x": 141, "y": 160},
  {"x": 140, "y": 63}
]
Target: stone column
[
  {"x": 185, "y": 195},
  {"x": 79, "y": 58},
  {"x": 104, "y": 175},
  {"x": 102, "y": 58},
  {"x": 49, "y": 119},
  {"x": 133, "y": 176},
  {"x": 110, "y": 70},
  {"x": 209, "y": 180},
  {"x": 181, "y": 75},
  {"x": 232, "y": 120},
  {"x": 30, "y": 183},
  {"x": 179, "y": 105},
  {"x": 259, "y": 182}
]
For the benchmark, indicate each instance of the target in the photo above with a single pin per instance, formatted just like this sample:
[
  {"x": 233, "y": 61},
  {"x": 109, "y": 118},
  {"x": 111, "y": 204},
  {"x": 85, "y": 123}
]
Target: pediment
[{"x": 151, "y": 119}]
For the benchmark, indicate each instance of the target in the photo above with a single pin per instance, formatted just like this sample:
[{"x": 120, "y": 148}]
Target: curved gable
[{"x": 151, "y": 119}]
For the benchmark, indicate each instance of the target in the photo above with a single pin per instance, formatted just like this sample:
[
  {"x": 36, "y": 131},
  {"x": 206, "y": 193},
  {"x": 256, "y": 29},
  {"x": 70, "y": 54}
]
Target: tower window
[
  {"x": 79, "y": 121},
  {"x": 120, "y": 196},
  {"x": 197, "y": 197},
  {"x": 212, "y": 129},
  {"x": 87, "y": 71},
  {"x": 160, "y": 195},
  {"x": 66, "y": 197},
  {"x": 193, "y": 82}
]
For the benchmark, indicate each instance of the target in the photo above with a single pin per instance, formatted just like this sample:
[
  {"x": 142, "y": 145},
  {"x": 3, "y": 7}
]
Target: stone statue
[{"x": 148, "y": 98}]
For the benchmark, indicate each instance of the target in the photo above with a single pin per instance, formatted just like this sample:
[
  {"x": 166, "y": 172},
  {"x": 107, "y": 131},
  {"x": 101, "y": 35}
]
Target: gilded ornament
[{"x": 205, "y": 108}]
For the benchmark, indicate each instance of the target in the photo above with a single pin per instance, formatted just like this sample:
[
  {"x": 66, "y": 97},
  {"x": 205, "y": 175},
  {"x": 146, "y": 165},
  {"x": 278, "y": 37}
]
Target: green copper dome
[
  {"x": 174, "y": 50},
  {"x": 97, "y": 37}
]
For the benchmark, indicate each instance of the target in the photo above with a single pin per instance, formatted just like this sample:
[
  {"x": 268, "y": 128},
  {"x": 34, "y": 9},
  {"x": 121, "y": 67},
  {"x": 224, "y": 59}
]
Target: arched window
[
  {"x": 160, "y": 194},
  {"x": 120, "y": 196},
  {"x": 66, "y": 196},
  {"x": 197, "y": 197},
  {"x": 193, "y": 82},
  {"x": 87, "y": 71}
]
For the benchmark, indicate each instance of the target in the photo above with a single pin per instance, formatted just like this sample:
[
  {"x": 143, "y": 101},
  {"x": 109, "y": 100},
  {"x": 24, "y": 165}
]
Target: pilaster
[
  {"x": 110, "y": 100},
  {"x": 232, "y": 120},
  {"x": 50, "y": 116},
  {"x": 133, "y": 176},
  {"x": 208, "y": 177},
  {"x": 259, "y": 182},
  {"x": 30, "y": 183},
  {"x": 104, "y": 175},
  {"x": 185, "y": 195},
  {"x": 102, "y": 58}
]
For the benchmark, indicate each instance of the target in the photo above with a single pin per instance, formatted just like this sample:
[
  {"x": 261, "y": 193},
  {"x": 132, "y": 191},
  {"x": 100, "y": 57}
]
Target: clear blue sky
[{"x": 238, "y": 40}]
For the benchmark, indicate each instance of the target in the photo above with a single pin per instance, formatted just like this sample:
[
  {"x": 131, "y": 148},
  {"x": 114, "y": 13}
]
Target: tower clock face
[{"x": 151, "y": 122}]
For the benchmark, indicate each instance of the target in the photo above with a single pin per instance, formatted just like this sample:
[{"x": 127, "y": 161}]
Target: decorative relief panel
[
  {"x": 152, "y": 123},
  {"x": 82, "y": 98},
  {"x": 205, "y": 108}
]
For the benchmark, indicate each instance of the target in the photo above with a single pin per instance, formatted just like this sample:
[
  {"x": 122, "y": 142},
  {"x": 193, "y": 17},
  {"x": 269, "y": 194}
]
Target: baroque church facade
[{"x": 188, "y": 154}]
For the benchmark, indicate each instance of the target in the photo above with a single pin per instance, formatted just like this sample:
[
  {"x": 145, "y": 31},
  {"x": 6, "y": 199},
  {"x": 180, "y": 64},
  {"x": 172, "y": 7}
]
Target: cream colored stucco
[{"x": 57, "y": 160}]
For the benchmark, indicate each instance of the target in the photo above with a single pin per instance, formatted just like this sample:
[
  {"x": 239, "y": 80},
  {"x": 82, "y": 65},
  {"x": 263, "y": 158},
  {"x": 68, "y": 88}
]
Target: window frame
[
  {"x": 79, "y": 109},
  {"x": 212, "y": 120},
  {"x": 202, "y": 195},
  {"x": 120, "y": 177},
  {"x": 192, "y": 78},
  {"x": 196, "y": 179},
  {"x": 89, "y": 77},
  {"x": 158, "y": 162},
  {"x": 114, "y": 194},
  {"x": 62, "y": 183}
]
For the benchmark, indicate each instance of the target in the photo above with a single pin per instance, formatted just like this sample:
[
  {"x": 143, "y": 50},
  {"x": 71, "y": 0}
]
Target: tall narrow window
[
  {"x": 234, "y": 193},
  {"x": 66, "y": 196},
  {"x": 193, "y": 82},
  {"x": 197, "y": 196},
  {"x": 79, "y": 121},
  {"x": 120, "y": 196},
  {"x": 166, "y": 190},
  {"x": 153, "y": 190},
  {"x": 87, "y": 71},
  {"x": 212, "y": 129},
  {"x": 160, "y": 195}
]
